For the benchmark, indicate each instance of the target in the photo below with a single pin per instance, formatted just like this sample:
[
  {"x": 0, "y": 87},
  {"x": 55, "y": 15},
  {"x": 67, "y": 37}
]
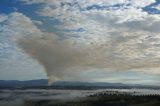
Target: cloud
[
  {"x": 2, "y": 18},
  {"x": 12, "y": 67},
  {"x": 62, "y": 58},
  {"x": 117, "y": 38}
]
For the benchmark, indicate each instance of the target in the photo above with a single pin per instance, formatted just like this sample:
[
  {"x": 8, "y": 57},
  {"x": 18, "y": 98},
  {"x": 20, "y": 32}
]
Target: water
[{"x": 19, "y": 97}]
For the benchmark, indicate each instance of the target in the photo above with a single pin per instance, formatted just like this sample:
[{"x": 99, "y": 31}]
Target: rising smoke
[
  {"x": 57, "y": 56},
  {"x": 61, "y": 58}
]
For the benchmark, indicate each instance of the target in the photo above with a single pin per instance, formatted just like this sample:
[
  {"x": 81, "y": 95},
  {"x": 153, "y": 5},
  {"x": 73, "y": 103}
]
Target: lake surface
[{"x": 19, "y": 97}]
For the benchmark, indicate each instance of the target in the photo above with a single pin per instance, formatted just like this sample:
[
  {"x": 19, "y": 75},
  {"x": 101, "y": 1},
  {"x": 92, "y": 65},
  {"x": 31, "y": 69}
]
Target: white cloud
[
  {"x": 3, "y": 18},
  {"x": 128, "y": 32},
  {"x": 14, "y": 64},
  {"x": 142, "y": 3},
  {"x": 72, "y": 9},
  {"x": 124, "y": 38},
  {"x": 156, "y": 7}
]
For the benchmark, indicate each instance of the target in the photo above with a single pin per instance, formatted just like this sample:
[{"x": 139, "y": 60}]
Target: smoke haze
[{"x": 65, "y": 60}]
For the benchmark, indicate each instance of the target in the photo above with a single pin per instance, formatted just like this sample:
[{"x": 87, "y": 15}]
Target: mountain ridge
[{"x": 66, "y": 84}]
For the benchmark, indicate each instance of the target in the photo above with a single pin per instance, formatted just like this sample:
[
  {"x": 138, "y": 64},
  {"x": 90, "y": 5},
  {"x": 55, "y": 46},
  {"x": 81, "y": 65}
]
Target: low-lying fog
[{"x": 20, "y": 97}]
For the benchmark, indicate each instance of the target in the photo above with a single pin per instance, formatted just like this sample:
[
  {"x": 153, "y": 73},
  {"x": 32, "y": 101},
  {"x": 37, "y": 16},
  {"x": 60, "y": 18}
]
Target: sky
[{"x": 115, "y": 41}]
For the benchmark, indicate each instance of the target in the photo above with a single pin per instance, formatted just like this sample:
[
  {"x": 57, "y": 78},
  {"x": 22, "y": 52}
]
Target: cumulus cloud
[{"x": 120, "y": 38}]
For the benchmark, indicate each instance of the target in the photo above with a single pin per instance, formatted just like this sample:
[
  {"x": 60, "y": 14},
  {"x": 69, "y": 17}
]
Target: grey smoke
[
  {"x": 56, "y": 56},
  {"x": 62, "y": 59}
]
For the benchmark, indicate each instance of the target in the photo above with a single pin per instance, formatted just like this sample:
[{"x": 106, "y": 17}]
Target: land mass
[{"x": 43, "y": 84}]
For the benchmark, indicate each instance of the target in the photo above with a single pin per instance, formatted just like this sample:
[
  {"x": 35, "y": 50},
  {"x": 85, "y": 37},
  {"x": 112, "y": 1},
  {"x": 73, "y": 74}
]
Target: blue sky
[{"x": 80, "y": 40}]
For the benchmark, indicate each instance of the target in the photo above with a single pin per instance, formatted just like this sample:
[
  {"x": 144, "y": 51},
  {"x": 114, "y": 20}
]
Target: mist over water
[
  {"x": 21, "y": 97},
  {"x": 31, "y": 96}
]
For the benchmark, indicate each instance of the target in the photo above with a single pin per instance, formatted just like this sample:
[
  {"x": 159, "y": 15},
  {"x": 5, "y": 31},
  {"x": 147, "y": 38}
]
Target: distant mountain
[
  {"x": 15, "y": 83},
  {"x": 78, "y": 83},
  {"x": 43, "y": 83}
]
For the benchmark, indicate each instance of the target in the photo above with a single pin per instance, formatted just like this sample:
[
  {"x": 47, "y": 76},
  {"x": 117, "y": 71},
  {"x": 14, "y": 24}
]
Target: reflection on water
[{"x": 18, "y": 97}]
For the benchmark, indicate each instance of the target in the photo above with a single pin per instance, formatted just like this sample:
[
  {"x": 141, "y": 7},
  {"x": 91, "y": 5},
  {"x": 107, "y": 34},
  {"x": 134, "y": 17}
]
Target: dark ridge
[{"x": 43, "y": 84}]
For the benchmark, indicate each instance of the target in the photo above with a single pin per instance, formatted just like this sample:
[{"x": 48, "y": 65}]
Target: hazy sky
[{"x": 80, "y": 40}]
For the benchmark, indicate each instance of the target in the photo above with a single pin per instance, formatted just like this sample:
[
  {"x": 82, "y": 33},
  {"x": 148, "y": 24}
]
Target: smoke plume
[
  {"x": 61, "y": 58},
  {"x": 57, "y": 56}
]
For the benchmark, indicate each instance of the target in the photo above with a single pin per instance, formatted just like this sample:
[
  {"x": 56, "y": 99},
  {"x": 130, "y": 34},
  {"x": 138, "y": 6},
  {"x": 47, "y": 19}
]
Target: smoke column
[
  {"x": 61, "y": 58},
  {"x": 55, "y": 55}
]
